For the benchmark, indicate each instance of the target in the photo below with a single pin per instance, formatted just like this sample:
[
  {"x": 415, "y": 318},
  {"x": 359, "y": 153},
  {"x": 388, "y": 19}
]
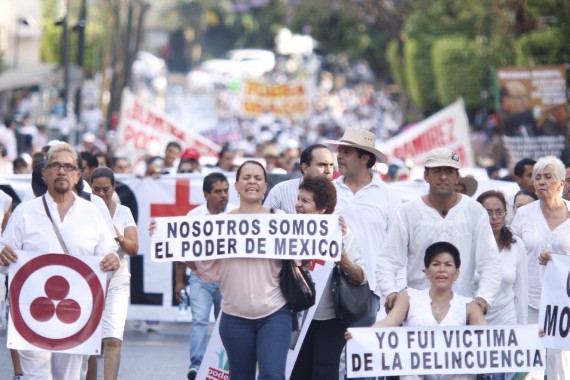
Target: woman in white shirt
[
  {"x": 544, "y": 226},
  {"x": 118, "y": 291}
]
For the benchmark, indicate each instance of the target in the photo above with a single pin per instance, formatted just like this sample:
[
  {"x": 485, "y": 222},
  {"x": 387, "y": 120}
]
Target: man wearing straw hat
[
  {"x": 440, "y": 215},
  {"x": 366, "y": 202}
]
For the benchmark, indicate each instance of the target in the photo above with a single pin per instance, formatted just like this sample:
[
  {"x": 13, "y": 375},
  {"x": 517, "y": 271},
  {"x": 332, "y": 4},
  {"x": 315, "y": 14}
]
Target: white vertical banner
[
  {"x": 56, "y": 303},
  {"x": 447, "y": 128},
  {"x": 554, "y": 312}
]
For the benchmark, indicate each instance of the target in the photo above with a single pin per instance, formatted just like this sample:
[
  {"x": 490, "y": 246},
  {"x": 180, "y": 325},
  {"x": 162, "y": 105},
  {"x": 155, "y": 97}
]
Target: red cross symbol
[
  {"x": 314, "y": 263},
  {"x": 182, "y": 202}
]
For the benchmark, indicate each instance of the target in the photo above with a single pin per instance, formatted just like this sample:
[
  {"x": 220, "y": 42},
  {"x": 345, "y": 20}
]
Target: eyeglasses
[
  {"x": 440, "y": 171},
  {"x": 497, "y": 214},
  {"x": 55, "y": 166}
]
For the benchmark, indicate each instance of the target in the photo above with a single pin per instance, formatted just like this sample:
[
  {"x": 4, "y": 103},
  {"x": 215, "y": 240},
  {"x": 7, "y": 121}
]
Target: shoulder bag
[
  {"x": 297, "y": 286},
  {"x": 351, "y": 301}
]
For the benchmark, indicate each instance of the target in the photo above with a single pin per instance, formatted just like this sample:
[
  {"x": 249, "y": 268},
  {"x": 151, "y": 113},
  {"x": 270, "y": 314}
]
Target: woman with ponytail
[{"x": 510, "y": 306}]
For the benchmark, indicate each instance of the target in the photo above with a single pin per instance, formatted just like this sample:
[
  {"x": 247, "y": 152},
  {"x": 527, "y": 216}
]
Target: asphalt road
[{"x": 159, "y": 354}]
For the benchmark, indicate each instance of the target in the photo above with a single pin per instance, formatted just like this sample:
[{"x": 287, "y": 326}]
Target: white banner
[
  {"x": 266, "y": 236},
  {"x": 447, "y": 128},
  {"x": 443, "y": 350},
  {"x": 56, "y": 303},
  {"x": 215, "y": 362},
  {"x": 554, "y": 312},
  {"x": 140, "y": 124}
]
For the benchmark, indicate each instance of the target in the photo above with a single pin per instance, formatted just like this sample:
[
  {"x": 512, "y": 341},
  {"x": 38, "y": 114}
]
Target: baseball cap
[
  {"x": 442, "y": 157},
  {"x": 190, "y": 154}
]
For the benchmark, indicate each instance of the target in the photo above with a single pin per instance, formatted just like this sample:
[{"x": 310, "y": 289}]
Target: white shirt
[
  {"x": 417, "y": 226},
  {"x": 283, "y": 196},
  {"x": 369, "y": 213},
  {"x": 530, "y": 225},
  {"x": 122, "y": 218},
  {"x": 5, "y": 203},
  {"x": 83, "y": 229},
  {"x": 511, "y": 303},
  {"x": 203, "y": 209}
]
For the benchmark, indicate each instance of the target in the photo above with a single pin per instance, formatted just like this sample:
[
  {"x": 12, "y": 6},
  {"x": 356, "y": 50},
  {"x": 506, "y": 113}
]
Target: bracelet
[{"x": 352, "y": 270}]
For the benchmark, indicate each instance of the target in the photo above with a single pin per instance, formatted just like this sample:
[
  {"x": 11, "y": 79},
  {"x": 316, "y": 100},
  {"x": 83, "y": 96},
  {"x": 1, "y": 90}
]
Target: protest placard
[
  {"x": 56, "y": 303},
  {"x": 266, "y": 236},
  {"x": 554, "y": 312},
  {"x": 443, "y": 350}
]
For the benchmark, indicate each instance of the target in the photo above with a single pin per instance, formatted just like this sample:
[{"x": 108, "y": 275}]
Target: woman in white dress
[
  {"x": 118, "y": 291},
  {"x": 442, "y": 262},
  {"x": 544, "y": 227}
]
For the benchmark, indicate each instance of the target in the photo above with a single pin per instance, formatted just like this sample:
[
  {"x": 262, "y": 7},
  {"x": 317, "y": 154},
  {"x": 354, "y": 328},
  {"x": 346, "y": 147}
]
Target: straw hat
[
  {"x": 470, "y": 184},
  {"x": 361, "y": 139}
]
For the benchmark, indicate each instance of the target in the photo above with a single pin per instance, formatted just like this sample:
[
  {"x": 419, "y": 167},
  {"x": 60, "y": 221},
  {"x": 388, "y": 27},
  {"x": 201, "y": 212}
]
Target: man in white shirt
[
  {"x": 440, "y": 215},
  {"x": 316, "y": 160},
  {"x": 203, "y": 294},
  {"x": 366, "y": 202},
  {"x": 84, "y": 232}
]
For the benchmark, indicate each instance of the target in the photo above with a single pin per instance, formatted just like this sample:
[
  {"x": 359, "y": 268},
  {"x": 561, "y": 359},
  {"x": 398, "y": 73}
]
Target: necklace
[
  {"x": 443, "y": 211},
  {"x": 437, "y": 310}
]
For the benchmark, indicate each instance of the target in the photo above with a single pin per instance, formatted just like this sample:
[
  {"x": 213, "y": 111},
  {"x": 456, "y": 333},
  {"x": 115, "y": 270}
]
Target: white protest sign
[
  {"x": 447, "y": 128},
  {"x": 554, "y": 312},
  {"x": 443, "y": 350},
  {"x": 264, "y": 236},
  {"x": 56, "y": 303}
]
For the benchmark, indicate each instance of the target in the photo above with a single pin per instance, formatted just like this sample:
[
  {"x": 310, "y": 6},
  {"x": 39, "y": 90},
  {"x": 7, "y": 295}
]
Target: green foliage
[
  {"x": 419, "y": 74},
  {"x": 395, "y": 61},
  {"x": 458, "y": 70},
  {"x": 540, "y": 47}
]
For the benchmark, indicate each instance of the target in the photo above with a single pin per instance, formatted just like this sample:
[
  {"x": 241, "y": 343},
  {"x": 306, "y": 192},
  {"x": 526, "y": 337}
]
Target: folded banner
[
  {"x": 264, "y": 236},
  {"x": 443, "y": 350}
]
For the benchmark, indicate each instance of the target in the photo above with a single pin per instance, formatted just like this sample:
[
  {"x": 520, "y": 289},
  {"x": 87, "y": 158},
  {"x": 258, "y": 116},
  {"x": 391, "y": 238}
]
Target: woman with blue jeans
[{"x": 255, "y": 323}]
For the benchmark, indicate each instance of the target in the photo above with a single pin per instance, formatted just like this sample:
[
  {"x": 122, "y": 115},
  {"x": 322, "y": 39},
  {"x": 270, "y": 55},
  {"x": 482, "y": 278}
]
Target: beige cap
[{"x": 442, "y": 157}]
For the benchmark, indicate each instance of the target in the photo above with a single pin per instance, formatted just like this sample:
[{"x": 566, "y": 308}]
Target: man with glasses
[
  {"x": 30, "y": 229},
  {"x": 440, "y": 215}
]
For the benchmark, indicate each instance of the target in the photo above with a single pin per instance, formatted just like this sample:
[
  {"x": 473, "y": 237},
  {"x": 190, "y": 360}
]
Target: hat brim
[
  {"x": 380, "y": 157},
  {"x": 470, "y": 184}
]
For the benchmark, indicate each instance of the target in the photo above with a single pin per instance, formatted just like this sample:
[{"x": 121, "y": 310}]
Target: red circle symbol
[
  {"x": 97, "y": 295},
  {"x": 56, "y": 288},
  {"x": 68, "y": 311},
  {"x": 42, "y": 309}
]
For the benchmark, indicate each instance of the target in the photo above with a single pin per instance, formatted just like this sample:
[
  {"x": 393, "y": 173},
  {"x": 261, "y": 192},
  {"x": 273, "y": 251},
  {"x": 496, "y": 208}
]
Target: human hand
[
  {"x": 347, "y": 335},
  {"x": 179, "y": 286},
  {"x": 544, "y": 257},
  {"x": 7, "y": 256},
  {"x": 390, "y": 301},
  {"x": 541, "y": 332},
  {"x": 151, "y": 227},
  {"x": 110, "y": 262}
]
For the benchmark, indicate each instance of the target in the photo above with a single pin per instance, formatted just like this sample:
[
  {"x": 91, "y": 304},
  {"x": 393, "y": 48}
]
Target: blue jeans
[
  {"x": 263, "y": 341},
  {"x": 202, "y": 296}
]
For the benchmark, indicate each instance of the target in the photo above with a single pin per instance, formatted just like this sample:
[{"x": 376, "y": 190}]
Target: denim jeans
[
  {"x": 263, "y": 341},
  {"x": 202, "y": 296}
]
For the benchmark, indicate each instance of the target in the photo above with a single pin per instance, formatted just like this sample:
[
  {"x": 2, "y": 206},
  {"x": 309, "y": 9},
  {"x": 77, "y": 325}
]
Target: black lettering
[
  {"x": 255, "y": 227},
  {"x": 167, "y": 253},
  {"x": 231, "y": 227},
  {"x": 368, "y": 362},
  {"x": 427, "y": 360},
  {"x": 221, "y": 245},
  {"x": 537, "y": 359},
  {"x": 380, "y": 337},
  {"x": 232, "y": 246},
  {"x": 158, "y": 249},
  {"x": 280, "y": 246},
  {"x": 209, "y": 248},
  {"x": 519, "y": 360},
  {"x": 415, "y": 360},
  {"x": 292, "y": 247},
  {"x": 324, "y": 227},
  {"x": 397, "y": 362},
  {"x": 208, "y": 228},
  {"x": 284, "y": 227},
  {"x": 393, "y": 339},
  {"x": 184, "y": 229},
  {"x": 506, "y": 358},
  {"x": 249, "y": 245},
  {"x": 311, "y": 227},
  {"x": 512, "y": 338},
  {"x": 564, "y": 322},
  {"x": 243, "y": 227},
  {"x": 261, "y": 248},
  {"x": 334, "y": 249},
  {"x": 197, "y": 248},
  {"x": 448, "y": 338},
  {"x": 220, "y": 224},
  {"x": 304, "y": 247},
  {"x": 410, "y": 338},
  {"x": 298, "y": 227},
  {"x": 469, "y": 362},
  {"x": 185, "y": 248},
  {"x": 550, "y": 319},
  {"x": 272, "y": 227},
  {"x": 171, "y": 230},
  {"x": 196, "y": 228},
  {"x": 356, "y": 362},
  {"x": 499, "y": 337}
]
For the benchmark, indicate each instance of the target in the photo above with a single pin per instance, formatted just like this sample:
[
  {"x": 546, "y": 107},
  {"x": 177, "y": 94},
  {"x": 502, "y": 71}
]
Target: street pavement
[{"x": 158, "y": 354}]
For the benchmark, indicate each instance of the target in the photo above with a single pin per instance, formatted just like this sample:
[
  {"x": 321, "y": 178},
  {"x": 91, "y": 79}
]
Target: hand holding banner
[{"x": 266, "y": 236}]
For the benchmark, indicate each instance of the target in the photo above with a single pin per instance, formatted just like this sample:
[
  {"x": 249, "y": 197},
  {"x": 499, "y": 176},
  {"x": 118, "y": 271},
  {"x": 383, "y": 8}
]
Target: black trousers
[{"x": 319, "y": 356}]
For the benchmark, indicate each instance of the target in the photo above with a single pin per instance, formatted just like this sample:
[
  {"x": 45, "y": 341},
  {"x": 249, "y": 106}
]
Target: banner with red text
[
  {"x": 447, "y": 128},
  {"x": 142, "y": 125},
  {"x": 284, "y": 100}
]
